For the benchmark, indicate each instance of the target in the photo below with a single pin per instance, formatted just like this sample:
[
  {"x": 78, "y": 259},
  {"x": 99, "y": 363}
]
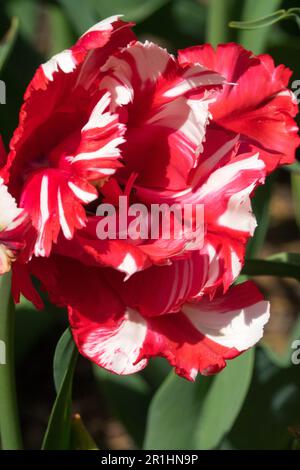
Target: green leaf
[
  {"x": 156, "y": 372},
  {"x": 8, "y": 41},
  {"x": 224, "y": 401},
  {"x": 133, "y": 10},
  {"x": 64, "y": 352},
  {"x": 84, "y": 14},
  {"x": 283, "y": 359},
  {"x": 173, "y": 413},
  {"x": 80, "y": 437},
  {"x": 60, "y": 33},
  {"x": 44, "y": 27},
  {"x": 129, "y": 398},
  {"x": 280, "y": 265},
  {"x": 185, "y": 415},
  {"x": 81, "y": 14},
  {"x": 271, "y": 406},
  {"x": 58, "y": 433},
  {"x": 256, "y": 40}
]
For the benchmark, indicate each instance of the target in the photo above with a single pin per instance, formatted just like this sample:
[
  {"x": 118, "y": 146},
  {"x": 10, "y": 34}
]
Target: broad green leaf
[
  {"x": 58, "y": 433},
  {"x": 8, "y": 41},
  {"x": 185, "y": 415},
  {"x": 129, "y": 398},
  {"x": 80, "y": 437},
  {"x": 84, "y": 14},
  {"x": 271, "y": 407},
  {"x": 60, "y": 32},
  {"x": 256, "y": 40},
  {"x": 280, "y": 265},
  {"x": 62, "y": 358},
  {"x": 45, "y": 28},
  {"x": 156, "y": 372},
  {"x": 81, "y": 14},
  {"x": 133, "y": 10},
  {"x": 224, "y": 401},
  {"x": 283, "y": 359},
  {"x": 174, "y": 412}
]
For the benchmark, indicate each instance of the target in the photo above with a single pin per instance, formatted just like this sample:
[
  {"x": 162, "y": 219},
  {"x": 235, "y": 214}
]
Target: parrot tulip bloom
[
  {"x": 114, "y": 117},
  {"x": 255, "y": 103}
]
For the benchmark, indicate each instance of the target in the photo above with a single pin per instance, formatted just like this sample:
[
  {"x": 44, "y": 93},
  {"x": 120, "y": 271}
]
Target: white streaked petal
[
  {"x": 103, "y": 25},
  {"x": 239, "y": 329},
  {"x": 238, "y": 215},
  {"x": 107, "y": 151},
  {"x": 190, "y": 80},
  {"x": 128, "y": 266},
  {"x": 39, "y": 249},
  {"x": 205, "y": 167},
  {"x": 104, "y": 171},
  {"x": 222, "y": 176},
  {"x": 84, "y": 196},
  {"x": 118, "y": 81},
  {"x": 151, "y": 60},
  {"x": 64, "y": 61},
  {"x": 97, "y": 118},
  {"x": 214, "y": 266},
  {"x": 118, "y": 349},
  {"x": 62, "y": 219},
  {"x": 44, "y": 204},
  {"x": 8, "y": 208},
  {"x": 236, "y": 265}
]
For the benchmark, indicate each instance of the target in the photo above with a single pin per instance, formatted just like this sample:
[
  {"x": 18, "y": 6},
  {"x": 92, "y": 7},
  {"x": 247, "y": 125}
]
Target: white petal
[
  {"x": 118, "y": 349},
  {"x": 239, "y": 329}
]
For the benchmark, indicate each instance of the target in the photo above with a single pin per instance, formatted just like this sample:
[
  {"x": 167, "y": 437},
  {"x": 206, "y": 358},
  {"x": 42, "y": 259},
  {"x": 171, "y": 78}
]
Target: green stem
[
  {"x": 260, "y": 267},
  {"x": 256, "y": 40},
  {"x": 9, "y": 423},
  {"x": 217, "y": 23}
]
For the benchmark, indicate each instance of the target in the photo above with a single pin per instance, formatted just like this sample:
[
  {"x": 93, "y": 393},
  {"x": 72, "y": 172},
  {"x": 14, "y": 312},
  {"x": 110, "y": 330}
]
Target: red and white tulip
[{"x": 114, "y": 117}]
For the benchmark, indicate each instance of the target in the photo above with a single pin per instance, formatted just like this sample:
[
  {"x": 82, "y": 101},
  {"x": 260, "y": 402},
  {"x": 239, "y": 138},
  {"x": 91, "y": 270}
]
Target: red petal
[{"x": 256, "y": 104}]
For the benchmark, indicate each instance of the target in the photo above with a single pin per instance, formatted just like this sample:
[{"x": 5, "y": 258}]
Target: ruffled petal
[
  {"x": 200, "y": 338},
  {"x": 169, "y": 127},
  {"x": 53, "y": 199},
  {"x": 255, "y": 103}
]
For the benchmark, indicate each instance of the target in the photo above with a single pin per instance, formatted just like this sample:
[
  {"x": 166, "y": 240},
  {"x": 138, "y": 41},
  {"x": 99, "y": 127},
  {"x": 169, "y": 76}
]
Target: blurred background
[{"x": 115, "y": 409}]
